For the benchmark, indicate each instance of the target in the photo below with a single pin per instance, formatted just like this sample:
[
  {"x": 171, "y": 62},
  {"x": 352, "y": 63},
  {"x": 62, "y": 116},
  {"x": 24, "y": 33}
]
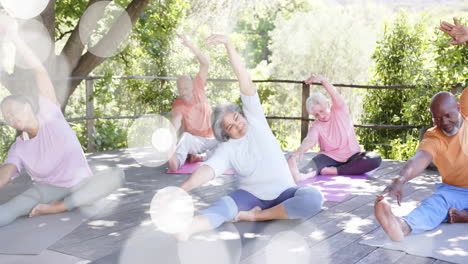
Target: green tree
[
  {"x": 399, "y": 60},
  {"x": 408, "y": 54},
  {"x": 60, "y": 18}
]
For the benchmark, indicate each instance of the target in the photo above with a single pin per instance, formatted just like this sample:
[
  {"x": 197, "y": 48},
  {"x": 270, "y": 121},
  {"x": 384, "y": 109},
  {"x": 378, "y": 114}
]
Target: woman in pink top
[
  {"x": 340, "y": 153},
  {"x": 46, "y": 148}
]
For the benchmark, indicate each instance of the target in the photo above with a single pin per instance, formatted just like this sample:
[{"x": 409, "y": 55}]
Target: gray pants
[
  {"x": 84, "y": 193},
  {"x": 190, "y": 144}
]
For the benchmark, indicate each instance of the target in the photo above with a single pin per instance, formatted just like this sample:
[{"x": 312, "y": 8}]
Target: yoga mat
[
  {"x": 448, "y": 242},
  {"x": 227, "y": 244},
  {"x": 335, "y": 188},
  {"x": 31, "y": 236},
  {"x": 48, "y": 256},
  {"x": 188, "y": 168},
  {"x": 147, "y": 245}
]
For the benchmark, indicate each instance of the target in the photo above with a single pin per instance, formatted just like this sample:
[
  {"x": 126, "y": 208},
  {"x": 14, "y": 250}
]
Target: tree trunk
[
  {"x": 70, "y": 62},
  {"x": 88, "y": 62}
]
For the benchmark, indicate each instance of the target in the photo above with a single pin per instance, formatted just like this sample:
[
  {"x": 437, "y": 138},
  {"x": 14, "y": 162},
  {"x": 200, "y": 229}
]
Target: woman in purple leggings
[
  {"x": 266, "y": 188},
  {"x": 340, "y": 153}
]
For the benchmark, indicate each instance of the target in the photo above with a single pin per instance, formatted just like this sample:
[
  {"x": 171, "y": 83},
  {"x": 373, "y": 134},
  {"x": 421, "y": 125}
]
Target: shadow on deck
[{"x": 124, "y": 233}]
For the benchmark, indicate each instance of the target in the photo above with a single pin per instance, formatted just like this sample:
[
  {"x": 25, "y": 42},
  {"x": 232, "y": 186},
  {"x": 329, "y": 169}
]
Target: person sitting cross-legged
[
  {"x": 266, "y": 188},
  {"x": 446, "y": 144},
  {"x": 46, "y": 148},
  {"x": 340, "y": 153},
  {"x": 191, "y": 112}
]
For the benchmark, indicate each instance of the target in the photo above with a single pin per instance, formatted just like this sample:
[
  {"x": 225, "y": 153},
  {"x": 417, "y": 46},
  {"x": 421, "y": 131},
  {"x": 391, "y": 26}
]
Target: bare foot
[
  {"x": 195, "y": 158},
  {"x": 457, "y": 216},
  {"x": 250, "y": 215},
  {"x": 51, "y": 208},
  {"x": 329, "y": 171},
  {"x": 173, "y": 164},
  {"x": 392, "y": 225}
]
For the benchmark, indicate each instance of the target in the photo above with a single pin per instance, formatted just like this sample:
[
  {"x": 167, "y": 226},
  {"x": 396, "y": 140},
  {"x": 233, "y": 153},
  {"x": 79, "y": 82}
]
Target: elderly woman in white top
[{"x": 267, "y": 190}]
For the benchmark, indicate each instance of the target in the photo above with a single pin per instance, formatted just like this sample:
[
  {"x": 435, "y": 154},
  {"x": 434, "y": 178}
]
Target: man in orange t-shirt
[
  {"x": 446, "y": 144},
  {"x": 192, "y": 112}
]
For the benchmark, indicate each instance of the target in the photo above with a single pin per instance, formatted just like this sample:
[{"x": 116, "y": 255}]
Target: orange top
[
  {"x": 196, "y": 114},
  {"x": 450, "y": 153}
]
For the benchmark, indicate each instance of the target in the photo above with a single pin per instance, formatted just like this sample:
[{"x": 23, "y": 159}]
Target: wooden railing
[{"x": 304, "y": 118}]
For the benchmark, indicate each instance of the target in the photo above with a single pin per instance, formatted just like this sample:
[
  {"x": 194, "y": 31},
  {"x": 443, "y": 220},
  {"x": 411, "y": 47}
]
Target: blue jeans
[{"x": 434, "y": 210}]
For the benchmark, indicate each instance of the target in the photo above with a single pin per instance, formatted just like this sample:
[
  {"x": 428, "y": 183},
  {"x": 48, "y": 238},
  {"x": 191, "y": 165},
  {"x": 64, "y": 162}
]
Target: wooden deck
[{"x": 332, "y": 235}]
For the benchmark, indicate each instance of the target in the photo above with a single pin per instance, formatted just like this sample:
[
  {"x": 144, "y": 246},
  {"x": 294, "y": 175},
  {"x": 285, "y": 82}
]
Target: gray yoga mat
[
  {"x": 148, "y": 245},
  {"x": 31, "y": 236},
  {"x": 230, "y": 243},
  {"x": 48, "y": 256},
  {"x": 448, "y": 242}
]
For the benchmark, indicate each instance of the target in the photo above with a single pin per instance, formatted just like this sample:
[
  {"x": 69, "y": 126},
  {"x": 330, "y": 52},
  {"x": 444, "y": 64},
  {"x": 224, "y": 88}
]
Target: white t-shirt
[{"x": 257, "y": 157}]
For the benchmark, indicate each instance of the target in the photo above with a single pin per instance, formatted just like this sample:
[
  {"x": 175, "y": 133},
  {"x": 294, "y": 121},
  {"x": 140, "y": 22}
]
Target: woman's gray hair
[
  {"x": 217, "y": 118},
  {"x": 316, "y": 98}
]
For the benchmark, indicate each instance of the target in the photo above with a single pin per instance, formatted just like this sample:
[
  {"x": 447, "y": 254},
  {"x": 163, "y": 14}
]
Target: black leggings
[{"x": 358, "y": 163}]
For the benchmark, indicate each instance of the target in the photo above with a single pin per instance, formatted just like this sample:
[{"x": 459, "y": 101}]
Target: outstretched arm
[
  {"x": 177, "y": 121},
  {"x": 9, "y": 31},
  {"x": 7, "y": 171},
  {"x": 202, "y": 58},
  {"x": 412, "y": 168},
  {"x": 309, "y": 142},
  {"x": 458, "y": 32},
  {"x": 200, "y": 176},
  {"x": 245, "y": 82},
  {"x": 336, "y": 97}
]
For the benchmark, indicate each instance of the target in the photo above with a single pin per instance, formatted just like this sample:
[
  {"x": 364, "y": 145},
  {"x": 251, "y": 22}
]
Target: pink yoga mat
[
  {"x": 335, "y": 188},
  {"x": 188, "y": 168}
]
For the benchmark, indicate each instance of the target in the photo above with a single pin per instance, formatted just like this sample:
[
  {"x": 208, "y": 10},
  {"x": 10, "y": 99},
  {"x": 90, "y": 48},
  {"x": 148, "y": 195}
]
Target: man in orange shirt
[
  {"x": 446, "y": 144},
  {"x": 192, "y": 112}
]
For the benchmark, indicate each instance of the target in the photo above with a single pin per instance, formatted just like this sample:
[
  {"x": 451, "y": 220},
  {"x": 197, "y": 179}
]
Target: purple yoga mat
[
  {"x": 335, "y": 188},
  {"x": 188, "y": 168}
]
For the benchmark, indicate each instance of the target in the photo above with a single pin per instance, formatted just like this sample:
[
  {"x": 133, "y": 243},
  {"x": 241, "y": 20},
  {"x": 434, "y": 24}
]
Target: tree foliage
[{"x": 408, "y": 53}]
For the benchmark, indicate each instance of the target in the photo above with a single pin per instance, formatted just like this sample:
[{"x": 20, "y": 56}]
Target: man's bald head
[
  {"x": 446, "y": 113},
  {"x": 443, "y": 99},
  {"x": 185, "y": 87}
]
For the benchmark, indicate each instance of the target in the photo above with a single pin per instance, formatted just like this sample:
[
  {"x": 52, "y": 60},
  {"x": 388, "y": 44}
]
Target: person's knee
[
  {"x": 6, "y": 216},
  {"x": 312, "y": 196},
  {"x": 374, "y": 159},
  {"x": 186, "y": 140},
  {"x": 436, "y": 202},
  {"x": 307, "y": 202},
  {"x": 222, "y": 211},
  {"x": 184, "y": 147},
  {"x": 114, "y": 177}
]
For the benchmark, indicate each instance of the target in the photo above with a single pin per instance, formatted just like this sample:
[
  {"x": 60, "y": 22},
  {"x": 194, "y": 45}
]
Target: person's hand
[
  {"x": 315, "y": 78},
  {"x": 217, "y": 39},
  {"x": 8, "y": 28},
  {"x": 185, "y": 41},
  {"x": 299, "y": 154},
  {"x": 458, "y": 32},
  {"x": 394, "y": 189}
]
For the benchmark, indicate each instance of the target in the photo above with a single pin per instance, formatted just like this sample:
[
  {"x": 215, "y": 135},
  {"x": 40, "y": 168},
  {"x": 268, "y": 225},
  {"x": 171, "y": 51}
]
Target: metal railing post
[
  {"x": 91, "y": 147},
  {"x": 305, "y": 113}
]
